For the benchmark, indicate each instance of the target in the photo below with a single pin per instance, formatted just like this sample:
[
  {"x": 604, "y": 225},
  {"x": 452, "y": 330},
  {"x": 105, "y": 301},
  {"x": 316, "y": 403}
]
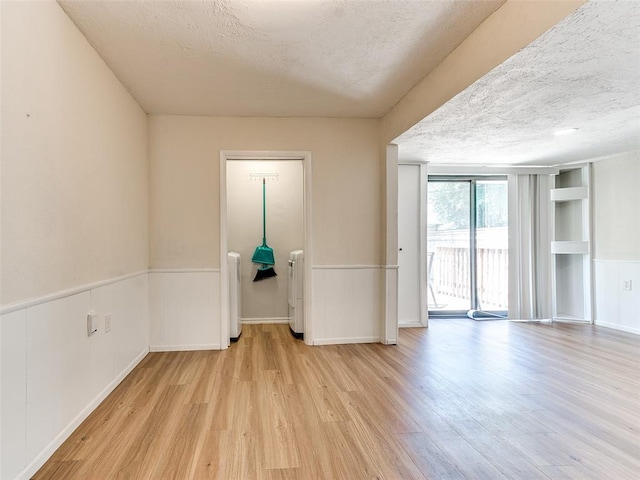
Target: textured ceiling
[
  {"x": 349, "y": 58},
  {"x": 583, "y": 73}
]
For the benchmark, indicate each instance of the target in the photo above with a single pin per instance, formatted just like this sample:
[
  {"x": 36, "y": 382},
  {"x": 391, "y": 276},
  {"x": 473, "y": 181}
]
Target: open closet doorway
[
  {"x": 264, "y": 300},
  {"x": 285, "y": 197},
  {"x": 468, "y": 246}
]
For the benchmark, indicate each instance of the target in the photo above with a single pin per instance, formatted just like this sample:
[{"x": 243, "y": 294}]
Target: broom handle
[{"x": 264, "y": 213}]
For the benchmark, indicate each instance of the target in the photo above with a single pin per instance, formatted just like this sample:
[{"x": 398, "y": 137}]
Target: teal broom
[{"x": 263, "y": 254}]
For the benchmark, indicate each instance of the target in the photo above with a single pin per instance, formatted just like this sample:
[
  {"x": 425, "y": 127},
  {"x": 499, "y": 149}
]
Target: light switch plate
[{"x": 92, "y": 323}]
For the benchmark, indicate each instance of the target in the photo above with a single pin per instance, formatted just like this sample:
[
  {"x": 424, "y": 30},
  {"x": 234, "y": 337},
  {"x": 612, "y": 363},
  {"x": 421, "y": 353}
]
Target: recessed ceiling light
[{"x": 565, "y": 131}]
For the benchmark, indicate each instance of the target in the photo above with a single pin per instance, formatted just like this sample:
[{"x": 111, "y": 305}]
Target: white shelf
[
  {"x": 569, "y": 194},
  {"x": 569, "y": 246}
]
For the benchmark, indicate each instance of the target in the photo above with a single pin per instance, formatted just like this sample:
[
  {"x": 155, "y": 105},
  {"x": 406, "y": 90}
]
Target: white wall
[
  {"x": 265, "y": 300},
  {"x": 616, "y": 207},
  {"x": 347, "y": 189},
  {"x": 74, "y": 160},
  {"x": 616, "y": 226},
  {"x": 348, "y": 176},
  {"x": 74, "y": 211}
]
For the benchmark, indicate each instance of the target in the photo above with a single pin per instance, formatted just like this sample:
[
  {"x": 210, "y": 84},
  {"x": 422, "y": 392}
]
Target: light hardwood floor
[{"x": 461, "y": 400}]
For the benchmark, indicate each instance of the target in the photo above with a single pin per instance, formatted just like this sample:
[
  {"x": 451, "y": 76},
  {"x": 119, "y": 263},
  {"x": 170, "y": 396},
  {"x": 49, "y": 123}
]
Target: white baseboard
[
  {"x": 410, "y": 325},
  {"x": 40, "y": 460},
  {"x": 343, "y": 341},
  {"x": 581, "y": 321},
  {"x": 257, "y": 321},
  {"x": 532, "y": 320},
  {"x": 615, "y": 326},
  {"x": 184, "y": 348}
]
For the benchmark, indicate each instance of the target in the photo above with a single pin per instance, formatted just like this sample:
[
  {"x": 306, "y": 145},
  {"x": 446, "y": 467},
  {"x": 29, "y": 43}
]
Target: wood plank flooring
[{"x": 460, "y": 400}]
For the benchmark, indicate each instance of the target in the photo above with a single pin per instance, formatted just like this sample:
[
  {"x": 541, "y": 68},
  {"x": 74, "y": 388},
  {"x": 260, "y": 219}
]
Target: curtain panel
[{"x": 530, "y": 281}]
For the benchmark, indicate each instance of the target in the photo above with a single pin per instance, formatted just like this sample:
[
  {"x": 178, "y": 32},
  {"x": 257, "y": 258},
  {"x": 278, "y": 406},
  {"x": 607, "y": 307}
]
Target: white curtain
[{"x": 529, "y": 247}]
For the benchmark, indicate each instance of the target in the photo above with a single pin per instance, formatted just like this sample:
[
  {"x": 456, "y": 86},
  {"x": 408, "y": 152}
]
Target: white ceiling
[
  {"x": 583, "y": 73},
  {"x": 327, "y": 58},
  {"x": 357, "y": 58}
]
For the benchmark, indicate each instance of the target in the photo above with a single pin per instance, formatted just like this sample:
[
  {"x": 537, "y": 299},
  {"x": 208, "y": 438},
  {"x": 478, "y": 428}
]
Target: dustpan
[{"x": 263, "y": 255}]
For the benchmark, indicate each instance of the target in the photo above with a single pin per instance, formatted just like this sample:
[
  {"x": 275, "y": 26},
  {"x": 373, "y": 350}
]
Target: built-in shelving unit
[{"x": 571, "y": 244}]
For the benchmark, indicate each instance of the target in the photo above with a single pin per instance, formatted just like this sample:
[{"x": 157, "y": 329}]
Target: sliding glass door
[{"x": 467, "y": 244}]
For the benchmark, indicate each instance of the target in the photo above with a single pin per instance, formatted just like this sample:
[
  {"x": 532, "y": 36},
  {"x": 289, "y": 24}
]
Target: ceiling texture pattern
[
  {"x": 352, "y": 58},
  {"x": 584, "y": 73},
  {"x": 358, "y": 58}
]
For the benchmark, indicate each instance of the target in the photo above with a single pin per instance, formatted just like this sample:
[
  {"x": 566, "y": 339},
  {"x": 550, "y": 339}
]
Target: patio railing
[{"x": 450, "y": 275}]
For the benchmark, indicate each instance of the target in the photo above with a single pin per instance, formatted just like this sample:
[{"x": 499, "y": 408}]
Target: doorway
[
  {"x": 262, "y": 157},
  {"x": 264, "y": 301},
  {"x": 467, "y": 246}
]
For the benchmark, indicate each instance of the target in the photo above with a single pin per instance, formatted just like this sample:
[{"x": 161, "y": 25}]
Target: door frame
[{"x": 257, "y": 155}]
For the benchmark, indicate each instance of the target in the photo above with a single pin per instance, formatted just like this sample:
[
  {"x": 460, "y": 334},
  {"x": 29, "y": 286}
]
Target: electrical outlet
[
  {"x": 92, "y": 323},
  {"x": 626, "y": 285},
  {"x": 107, "y": 323}
]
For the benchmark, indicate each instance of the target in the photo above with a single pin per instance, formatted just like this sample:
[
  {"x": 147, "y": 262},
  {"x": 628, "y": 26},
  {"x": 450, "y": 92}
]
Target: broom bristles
[{"x": 263, "y": 272}]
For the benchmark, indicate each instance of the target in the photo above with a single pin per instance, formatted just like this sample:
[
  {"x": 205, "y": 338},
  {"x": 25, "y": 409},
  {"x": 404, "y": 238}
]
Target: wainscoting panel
[
  {"x": 54, "y": 374},
  {"x": 14, "y": 393},
  {"x": 184, "y": 310},
  {"x": 347, "y": 304},
  {"x": 616, "y": 307},
  {"x": 59, "y": 383}
]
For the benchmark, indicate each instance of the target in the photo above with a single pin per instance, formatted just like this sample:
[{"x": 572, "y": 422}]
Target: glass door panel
[
  {"x": 448, "y": 246},
  {"x": 467, "y": 243},
  {"x": 492, "y": 246}
]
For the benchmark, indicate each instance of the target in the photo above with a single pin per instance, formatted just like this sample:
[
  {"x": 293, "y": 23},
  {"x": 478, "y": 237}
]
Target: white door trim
[
  {"x": 390, "y": 292},
  {"x": 230, "y": 155},
  {"x": 424, "y": 257}
]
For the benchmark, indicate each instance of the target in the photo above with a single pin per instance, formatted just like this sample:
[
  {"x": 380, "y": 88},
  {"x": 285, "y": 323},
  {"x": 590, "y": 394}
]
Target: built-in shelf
[
  {"x": 569, "y": 246},
  {"x": 569, "y": 194}
]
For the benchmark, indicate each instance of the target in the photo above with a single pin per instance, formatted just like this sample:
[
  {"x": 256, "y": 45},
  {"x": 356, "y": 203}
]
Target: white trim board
[
  {"x": 616, "y": 326},
  {"x": 598, "y": 260},
  {"x": 460, "y": 169},
  {"x": 50, "y": 297},
  {"x": 346, "y": 340},
  {"x": 184, "y": 270},
  {"x": 389, "y": 320},
  {"x": 354, "y": 267},
  {"x": 184, "y": 348},
  {"x": 266, "y": 320}
]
